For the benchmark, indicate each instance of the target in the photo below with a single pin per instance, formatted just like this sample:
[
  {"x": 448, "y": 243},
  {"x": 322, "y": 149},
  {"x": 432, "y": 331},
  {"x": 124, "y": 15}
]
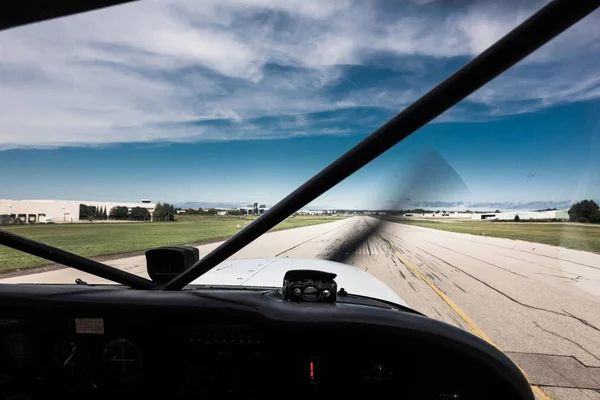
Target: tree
[
  {"x": 139, "y": 213},
  {"x": 164, "y": 212},
  {"x": 87, "y": 212},
  {"x": 119, "y": 213},
  {"x": 83, "y": 211},
  {"x": 517, "y": 218},
  {"x": 92, "y": 212},
  {"x": 497, "y": 211},
  {"x": 584, "y": 211},
  {"x": 158, "y": 212}
]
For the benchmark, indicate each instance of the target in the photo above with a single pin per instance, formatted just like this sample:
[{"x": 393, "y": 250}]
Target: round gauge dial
[{"x": 122, "y": 360}]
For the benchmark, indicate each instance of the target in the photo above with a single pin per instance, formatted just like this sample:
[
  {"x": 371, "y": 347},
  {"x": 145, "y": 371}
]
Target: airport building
[
  {"x": 40, "y": 211},
  {"x": 454, "y": 215},
  {"x": 554, "y": 215},
  {"x": 311, "y": 212},
  {"x": 253, "y": 209}
]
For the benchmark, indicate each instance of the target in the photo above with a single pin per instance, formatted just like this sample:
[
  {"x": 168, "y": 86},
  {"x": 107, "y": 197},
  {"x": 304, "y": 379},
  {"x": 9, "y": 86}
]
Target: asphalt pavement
[{"x": 539, "y": 304}]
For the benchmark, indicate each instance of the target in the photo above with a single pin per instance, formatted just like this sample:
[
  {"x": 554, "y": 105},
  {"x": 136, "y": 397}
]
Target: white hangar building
[{"x": 35, "y": 211}]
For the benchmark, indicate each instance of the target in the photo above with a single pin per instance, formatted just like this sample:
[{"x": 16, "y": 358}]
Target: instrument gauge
[{"x": 122, "y": 360}]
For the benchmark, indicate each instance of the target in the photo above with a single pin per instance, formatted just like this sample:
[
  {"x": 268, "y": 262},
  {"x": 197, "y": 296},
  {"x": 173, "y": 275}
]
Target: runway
[{"x": 539, "y": 304}]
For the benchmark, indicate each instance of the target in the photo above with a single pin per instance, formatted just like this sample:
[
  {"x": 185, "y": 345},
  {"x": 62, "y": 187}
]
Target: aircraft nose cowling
[{"x": 269, "y": 272}]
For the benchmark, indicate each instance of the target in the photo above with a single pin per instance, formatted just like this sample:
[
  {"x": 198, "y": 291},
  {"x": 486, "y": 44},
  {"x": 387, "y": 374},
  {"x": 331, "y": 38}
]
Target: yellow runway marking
[{"x": 538, "y": 391}]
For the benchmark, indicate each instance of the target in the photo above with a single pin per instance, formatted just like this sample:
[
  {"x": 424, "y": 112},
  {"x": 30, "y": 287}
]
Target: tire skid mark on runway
[
  {"x": 412, "y": 286},
  {"x": 427, "y": 274},
  {"x": 563, "y": 313},
  {"x": 306, "y": 241},
  {"x": 460, "y": 288},
  {"x": 477, "y": 259},
  {"x": 391, "y": 256},
  {"x": 369, "y": 250},
  {"x": 390, "y": 249},
  {"x": 434, "y": 266},
  {"x": 401, "y": 273},
  {"x": 436, "y": 269},
  {"x": 567, "y": 339},
  {"x": 437, "y": 312},
  {"x": 399, "y": 266},
  {"x": 435, "y": 276}
]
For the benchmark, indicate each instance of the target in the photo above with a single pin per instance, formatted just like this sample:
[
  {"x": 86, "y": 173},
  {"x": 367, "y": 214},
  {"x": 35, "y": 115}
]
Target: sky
[{"x": 236, "y": 101}]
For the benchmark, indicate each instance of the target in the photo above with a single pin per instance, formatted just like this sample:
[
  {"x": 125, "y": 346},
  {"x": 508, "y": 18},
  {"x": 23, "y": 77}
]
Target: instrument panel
[
  {"x": 96, "y": 357},
  {"x": 233, "y": 345}
]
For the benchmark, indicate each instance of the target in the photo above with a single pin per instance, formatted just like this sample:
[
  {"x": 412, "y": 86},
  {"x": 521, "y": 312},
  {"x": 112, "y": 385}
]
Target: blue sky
[{"x": 235, "y": 101}]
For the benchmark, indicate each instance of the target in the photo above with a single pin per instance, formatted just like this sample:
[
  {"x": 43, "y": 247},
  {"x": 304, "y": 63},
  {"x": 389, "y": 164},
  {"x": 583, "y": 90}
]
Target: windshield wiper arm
[
  {"x": 57, "y": 255},
  {"x": 537, "y": 30}
]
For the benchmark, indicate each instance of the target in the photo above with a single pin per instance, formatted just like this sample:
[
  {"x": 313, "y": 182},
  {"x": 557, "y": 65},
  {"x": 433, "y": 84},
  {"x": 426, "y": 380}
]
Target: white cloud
[{"x": 138, "y": 72}]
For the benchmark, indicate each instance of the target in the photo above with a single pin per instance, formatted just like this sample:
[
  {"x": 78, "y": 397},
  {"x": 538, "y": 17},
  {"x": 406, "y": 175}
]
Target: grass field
[
  {"x": 105, "y": 239},
  {"x": 571, "y": 235}
]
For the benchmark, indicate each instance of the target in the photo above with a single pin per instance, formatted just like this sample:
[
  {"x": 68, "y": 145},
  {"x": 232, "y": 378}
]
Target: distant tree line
[
  {"x": 200, "y": 211},
  {"x": 162, "y": 212},
  {"x": 122, "y": 213},
  {"x": 585, "y": 211}
]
